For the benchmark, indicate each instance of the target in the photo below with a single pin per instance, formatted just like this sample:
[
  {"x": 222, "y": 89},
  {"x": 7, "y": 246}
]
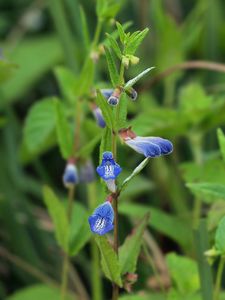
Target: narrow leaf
[
  {"x": 57, "y": 212},
  {"x": 109, "y": 260},
  {"x": 136, "y": 171},
  {"x": 121, "y": 32},
  {"x": 129, "y": 251},
  {"x": 86, "y": 78},
  {"x": 106, "y": 142},
  {"x": 85, "y": 30},
  {"x": 64, "y": 134},
  {"x": 221, "y": 139},
  {"x": 114, "y": 76},
  {"x": 106, "y": 109},
  {"x": 114, "y": 45},
  {"x": 135, "y": 42},
  {"x": 131, "y": 82},
  {"x": 220, "y": 237}
]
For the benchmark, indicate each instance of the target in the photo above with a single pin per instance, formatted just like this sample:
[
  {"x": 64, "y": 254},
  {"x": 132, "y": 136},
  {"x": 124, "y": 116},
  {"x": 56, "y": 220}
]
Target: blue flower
[
  {"x": 101, "y": 221},
  {"x": 99, "y": 117},
  {"x": 107, "y": 93},
  {"x": 70, "y": 176},
  {"x": 113, "y": 100},
  {"x": 150, "y": 146},
  {"x": 108, "y": 169},
  {"x": 87, "y": 172}
]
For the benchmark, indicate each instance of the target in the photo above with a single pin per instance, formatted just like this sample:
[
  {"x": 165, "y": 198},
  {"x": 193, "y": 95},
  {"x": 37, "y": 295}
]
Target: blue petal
[
  {"x": 100, "y": 225},
  {"x": 108, "y": 169},
  {"x": 70, "y": 175},
  {"x": 107, "y": 155},
  {"x": 107, "y": 93},
  {"x": 99, "y": 117},
  {"x": 165, "y": 145},
  {"x": 105, "y": 210},
  {"x": 144, "y": 147}
]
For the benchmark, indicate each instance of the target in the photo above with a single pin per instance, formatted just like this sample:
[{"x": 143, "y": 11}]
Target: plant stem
[
  {"x": 97, "y": 34},
  {"x": 219, "y": 278},
  {"x": 66, "y": 261}
]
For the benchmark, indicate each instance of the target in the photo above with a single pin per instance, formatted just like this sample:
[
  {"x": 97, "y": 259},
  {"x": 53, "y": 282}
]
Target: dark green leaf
[
  {"x": 129, "y": 251},
  {"x": 85, "y": 30},
  {"x": 106, "y": 142},
  {"x": 64, "y": 134},
  {"x": 58, "y": 215},
  {"x": 221, "y": 138},
  {"x": 109, "y": 260},
  {"x": 220, "y": 237}
]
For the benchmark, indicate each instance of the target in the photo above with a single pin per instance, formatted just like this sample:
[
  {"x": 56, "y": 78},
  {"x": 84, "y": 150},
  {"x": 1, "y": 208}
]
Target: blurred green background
[{"x": 186, "y": 104}]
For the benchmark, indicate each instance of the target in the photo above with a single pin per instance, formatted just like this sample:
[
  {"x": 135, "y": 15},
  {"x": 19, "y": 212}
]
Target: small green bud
[{"x": 134, "y": 60}]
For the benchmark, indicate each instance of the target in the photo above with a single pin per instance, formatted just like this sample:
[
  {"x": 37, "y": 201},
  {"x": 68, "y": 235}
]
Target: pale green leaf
[
  {"x": 64, "y": 134},
  {"x": 39, "y": 124},
  {"x": 131, "y": 82},
  {"x": 114, "y": 45},
  {"x": 211, "y": 191},
  {"x": 86, "y": 77},
  {"x": 37, "y": 292},
  {"x": 109, "y": 260},
  {"x": 135, "y": 41},
  {"x": 113, "y": 72},
  {"x": 121, "y": 32},
  {"x": 184, "y": 273},
  {"x": 84, "y": 29},
  {"x": 129, "y": 251},
  {"x": 220, "y": 237},
  {"x": 87, "y": 149},
  {"x": 58, "y": 215}
]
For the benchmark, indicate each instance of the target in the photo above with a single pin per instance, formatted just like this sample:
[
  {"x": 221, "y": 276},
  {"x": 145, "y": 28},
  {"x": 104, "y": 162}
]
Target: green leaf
[
  {"x": 39, "y": 124},
  {"x": 220, "y": 237},
  {"x": 169, "y": 225},
  {"x": 58, "y": 215},
  {"x": 122, "y": 111},
  {"x": 135, "y": 41},
  {"x": 129, "y": 251},
  {"x": 86, "y": 150},
  {"x": 136, "y": 171},
  {"x": 37, "y": 292},
  {"x": 6, "y": 70},
  {"x": 184, "y": 273},
  {"x": 145, "y": 296},
  {"x": 106, "y": 142},
  {"x": 211, "y": 191},
  {"x": 79, "y": 229},
  {"x": 66, "y": 81},
  {"x": 109, "y": 260},
  {"x": 121, "y": 32},
  {"x": 106, "y": 109},
  {"x": 131, "y": 82},
  {"x": 64, "y": 134},
  {"x": 114, "y": 45},
  {"x": 84, "y": 29},
  {"x": 113, "y": 72},
  {"x": 221, "y": 139},
  {"x": 86, "y": 77}
]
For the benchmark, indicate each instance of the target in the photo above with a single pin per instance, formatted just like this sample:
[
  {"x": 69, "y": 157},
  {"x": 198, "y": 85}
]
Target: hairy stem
[{"x": 219, "y": 278}]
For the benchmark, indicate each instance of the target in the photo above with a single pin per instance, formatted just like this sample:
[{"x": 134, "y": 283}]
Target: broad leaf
[
  {"x": 37, "y": 292},
  {"x": 39, "y": 124},
  {"x": 184, "y": 273},
  {"x": 109, "y": 260},
  {"x": 211, "y": 191},
  {"x": 129, "y": 251},
  {"x": 220, "y": 237},
  {"x": 79, "y": 229},
  {"x": 63, "y": 130},
  {"x": 113, "y": 72},
  {"x": 58, "y": 215}
]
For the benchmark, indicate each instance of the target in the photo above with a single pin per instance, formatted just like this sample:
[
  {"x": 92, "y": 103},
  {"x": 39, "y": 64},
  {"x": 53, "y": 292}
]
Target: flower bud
[
  {"x": 87, "y": 172},
  {"x": 134, "y": 60},
  {"x": 70, "y": 176},
  {"x": 113, "y": 100}
]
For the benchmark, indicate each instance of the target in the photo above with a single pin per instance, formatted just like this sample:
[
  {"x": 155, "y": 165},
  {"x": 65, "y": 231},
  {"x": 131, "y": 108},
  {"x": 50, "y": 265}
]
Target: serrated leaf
[
  {"x": 221, "y": 139},
  {"x": 64, "y": 134},
  {"x": 106, "y": 109},
  {"x": 109, "y": 260},
  {"x": 135, "y": 41},
  {"x": 39, "y": 124},
  {"x": 212, "y": 191},
  {"x": 79, "y": 229},
  {"x": 37, "y": 292},
  {"x": 113, "y": 72},
  {"x": 121, "y": 32},
  {"x": 114, "y": 45},
  {"x": 106, "y": 142},
  {"x": 136, "y": 171},
  {"x": 184, "y": 273},
  {"x": 132, "y": 82},
  {"x": 220, "y": 237},
  {"x": 129, "y": 251},
  {"x": 169, "y": 225},
  {"x": 58, "y": 215},
  {"x": 84, "y": 29}
]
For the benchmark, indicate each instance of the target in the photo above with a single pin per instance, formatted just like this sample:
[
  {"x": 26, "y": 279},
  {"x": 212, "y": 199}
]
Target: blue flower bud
[
  {"x": 99, "y": 117},
  {"x": 108, "y": 169},
  {"x": 87, "y": 172},
  {"x": 107, "y": 93},
  {"x": 101, "y": 221},
  {"x": 70, "y": 176},
  {"x": 113, "y": 100},
  {"x": 132, "y": 94}
]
